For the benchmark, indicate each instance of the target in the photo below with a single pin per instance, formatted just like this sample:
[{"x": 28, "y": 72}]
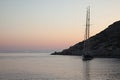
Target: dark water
[{"x": 35, "y": 66}]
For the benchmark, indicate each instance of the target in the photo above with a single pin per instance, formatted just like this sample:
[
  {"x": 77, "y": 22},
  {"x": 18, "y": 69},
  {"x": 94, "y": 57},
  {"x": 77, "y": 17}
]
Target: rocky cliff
[{"x": 103, "y": 44}]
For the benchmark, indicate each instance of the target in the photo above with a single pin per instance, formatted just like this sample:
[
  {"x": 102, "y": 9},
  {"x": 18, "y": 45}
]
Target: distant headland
[{"x": 104, "y": 44}]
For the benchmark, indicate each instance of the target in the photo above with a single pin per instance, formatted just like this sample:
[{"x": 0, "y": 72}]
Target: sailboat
[{"x": 86, "y": 50}]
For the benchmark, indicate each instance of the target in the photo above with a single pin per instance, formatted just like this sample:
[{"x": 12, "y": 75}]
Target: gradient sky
[{"x": 49, "y": 25}]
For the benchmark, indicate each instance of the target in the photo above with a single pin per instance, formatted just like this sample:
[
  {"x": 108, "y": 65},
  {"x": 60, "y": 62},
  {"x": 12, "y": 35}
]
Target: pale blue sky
[{"x": 52, "y": 24}]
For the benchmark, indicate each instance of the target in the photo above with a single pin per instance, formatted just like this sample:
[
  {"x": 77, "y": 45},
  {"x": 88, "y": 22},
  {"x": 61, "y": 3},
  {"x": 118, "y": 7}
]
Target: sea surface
[{"x": 43, "y": 66}]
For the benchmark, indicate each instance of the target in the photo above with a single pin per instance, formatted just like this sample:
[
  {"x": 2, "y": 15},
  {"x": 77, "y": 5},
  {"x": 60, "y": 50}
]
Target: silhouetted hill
[{"x": 103, "y": 44}]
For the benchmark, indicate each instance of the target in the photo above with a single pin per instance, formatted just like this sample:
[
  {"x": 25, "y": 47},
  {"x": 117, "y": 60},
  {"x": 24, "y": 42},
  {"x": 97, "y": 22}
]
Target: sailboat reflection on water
[{"x": 86, "y": 67}]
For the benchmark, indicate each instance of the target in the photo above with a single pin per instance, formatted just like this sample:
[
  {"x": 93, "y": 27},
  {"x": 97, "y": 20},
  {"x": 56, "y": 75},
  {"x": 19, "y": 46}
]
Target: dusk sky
[{"x": 50, "y": 25}]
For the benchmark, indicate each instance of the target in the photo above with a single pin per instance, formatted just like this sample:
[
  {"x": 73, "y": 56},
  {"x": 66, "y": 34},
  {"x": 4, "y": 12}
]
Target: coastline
[{"x": 105, "y": 44}]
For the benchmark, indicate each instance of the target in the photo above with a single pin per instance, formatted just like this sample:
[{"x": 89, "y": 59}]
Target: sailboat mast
[
  {"x": 87, "y": 31},
  {"x": 87, "y": 23},
  {"x": 86, "y": 48}
]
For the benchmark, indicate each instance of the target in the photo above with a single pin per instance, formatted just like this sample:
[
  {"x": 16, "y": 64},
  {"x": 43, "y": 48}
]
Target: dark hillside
[{"x": 103, "y": 44}]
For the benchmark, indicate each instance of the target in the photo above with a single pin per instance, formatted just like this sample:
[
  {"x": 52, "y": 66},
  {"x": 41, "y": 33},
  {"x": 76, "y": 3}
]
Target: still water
[{"x": 42, "y": 66}]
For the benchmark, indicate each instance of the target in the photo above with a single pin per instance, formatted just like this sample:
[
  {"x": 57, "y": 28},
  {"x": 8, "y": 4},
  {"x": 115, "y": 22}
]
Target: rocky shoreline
[{"x": 104, "y": 44}]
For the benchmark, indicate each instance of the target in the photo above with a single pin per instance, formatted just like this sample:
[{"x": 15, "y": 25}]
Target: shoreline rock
[{"x": 104, "y": 44}]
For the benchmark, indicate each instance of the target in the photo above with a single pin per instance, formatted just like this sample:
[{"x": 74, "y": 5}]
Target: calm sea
[{"x": 43, "y": 66}]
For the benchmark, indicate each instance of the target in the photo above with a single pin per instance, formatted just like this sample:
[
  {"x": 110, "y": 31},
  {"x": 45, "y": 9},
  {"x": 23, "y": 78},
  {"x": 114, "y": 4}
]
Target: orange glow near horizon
[{"x": 54, "y": 40}]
